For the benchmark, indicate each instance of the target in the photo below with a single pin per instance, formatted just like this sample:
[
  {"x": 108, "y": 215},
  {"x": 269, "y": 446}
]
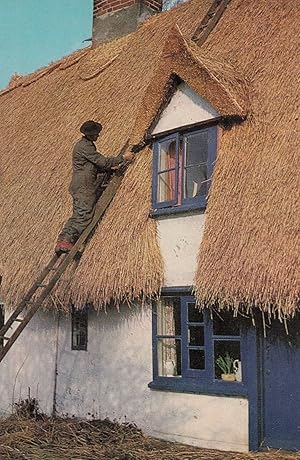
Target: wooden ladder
[
  {"x": 209, "y": 21},
  {"x": 44, "y": 284}
]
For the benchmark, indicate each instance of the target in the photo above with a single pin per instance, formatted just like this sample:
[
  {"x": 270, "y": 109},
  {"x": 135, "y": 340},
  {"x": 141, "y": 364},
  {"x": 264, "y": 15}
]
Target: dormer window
[
  {"x": 182, "y": 168},
  {"x": 184, "y": 152}
]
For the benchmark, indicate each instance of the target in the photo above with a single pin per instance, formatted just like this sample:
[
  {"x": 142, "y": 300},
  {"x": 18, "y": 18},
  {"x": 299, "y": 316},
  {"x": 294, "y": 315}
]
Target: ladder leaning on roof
[{"x": 44, "y": 284}]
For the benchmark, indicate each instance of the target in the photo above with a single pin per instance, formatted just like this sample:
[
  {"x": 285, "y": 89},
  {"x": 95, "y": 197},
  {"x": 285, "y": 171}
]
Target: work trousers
[{"x": 83, "y": 211}]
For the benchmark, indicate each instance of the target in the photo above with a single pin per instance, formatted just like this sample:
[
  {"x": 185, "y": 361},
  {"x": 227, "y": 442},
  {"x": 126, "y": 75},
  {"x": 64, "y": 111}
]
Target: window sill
[
  {"x": 186, "y": 208},
  {"x": 179, "y": 385}
]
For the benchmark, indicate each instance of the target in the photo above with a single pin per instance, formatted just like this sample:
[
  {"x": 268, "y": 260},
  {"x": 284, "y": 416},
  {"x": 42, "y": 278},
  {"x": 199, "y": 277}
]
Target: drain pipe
[{"x": 56, "y": 366}]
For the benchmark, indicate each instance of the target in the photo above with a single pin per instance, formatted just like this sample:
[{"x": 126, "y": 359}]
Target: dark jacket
[{"x": 87, "y": 163}]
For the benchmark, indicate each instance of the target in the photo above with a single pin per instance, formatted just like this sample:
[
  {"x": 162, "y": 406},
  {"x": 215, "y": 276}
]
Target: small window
[
  {"x": 79, "y": 329},
  {"x": 182, "y": 169},
  {"x": 194, "y": 349}
]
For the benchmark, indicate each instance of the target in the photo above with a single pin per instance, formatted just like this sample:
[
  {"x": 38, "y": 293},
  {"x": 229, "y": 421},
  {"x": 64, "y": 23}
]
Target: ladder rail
[
  {"x": 100, "y": 208},
  {"x": 28, "y": 296}
]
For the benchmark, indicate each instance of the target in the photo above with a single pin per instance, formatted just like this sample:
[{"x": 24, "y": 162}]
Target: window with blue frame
[
  {"x": 182, "y": 169},
  {"x": 196, "y": 350}
]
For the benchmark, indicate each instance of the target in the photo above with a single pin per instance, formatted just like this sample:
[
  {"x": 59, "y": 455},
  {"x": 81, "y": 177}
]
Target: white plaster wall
[
  {"x": 185, "y": 108},
  {"x": 30, "y": 363},
  {"x": 111, "y": 380},
  {"x": 179, "y": 240}
]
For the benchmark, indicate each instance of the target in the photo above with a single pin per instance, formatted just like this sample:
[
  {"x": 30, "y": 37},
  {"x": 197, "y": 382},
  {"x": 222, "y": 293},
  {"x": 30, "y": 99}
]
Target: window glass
[
  {"x": 168, "y": 316},
  {"x": 166, "y": 186},
  {"x": 79, "y": 329},
  {"x": 196, "y": 335},
  {"x": 195, "y": 164},
  {"x": 196, "y": 148},
  {"x": 195, "y": 181},
  {"x": 225, "y": 324},
  {"x": 194, "y": 314},
  {"x": 197, "y": 359},
  {"x": 167, "y": 155},
  {"x": 169, "y": 357},
  {"x": 227, "y": 360}
]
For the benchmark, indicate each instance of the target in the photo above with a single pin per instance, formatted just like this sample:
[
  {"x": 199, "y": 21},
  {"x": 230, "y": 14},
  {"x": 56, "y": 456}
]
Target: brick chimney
[{"x": 115, "y": 18}]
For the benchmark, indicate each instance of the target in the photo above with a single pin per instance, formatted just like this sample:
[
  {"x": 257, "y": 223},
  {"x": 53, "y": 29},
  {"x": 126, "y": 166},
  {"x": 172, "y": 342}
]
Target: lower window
[
  {"x": 194, "y": 350},
  {"x": 79, "y": 329}
]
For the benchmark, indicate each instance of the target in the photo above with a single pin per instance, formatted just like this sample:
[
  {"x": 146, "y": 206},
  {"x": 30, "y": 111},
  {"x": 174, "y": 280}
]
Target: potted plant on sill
[{"x": 226, "y": 365}]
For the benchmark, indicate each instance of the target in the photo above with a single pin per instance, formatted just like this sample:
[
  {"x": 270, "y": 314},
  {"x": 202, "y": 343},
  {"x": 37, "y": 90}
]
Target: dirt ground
[{"x": 69, "y": 439}]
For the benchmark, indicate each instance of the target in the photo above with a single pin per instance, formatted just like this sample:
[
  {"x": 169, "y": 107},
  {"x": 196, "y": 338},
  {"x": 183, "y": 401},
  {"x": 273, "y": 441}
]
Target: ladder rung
[
  {"x": 19, "y": 320},
  {"x": 3, "y": 337},
  {"x": 42, "y": 285}
]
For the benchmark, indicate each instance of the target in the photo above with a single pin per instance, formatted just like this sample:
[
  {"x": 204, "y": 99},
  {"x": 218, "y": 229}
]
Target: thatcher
[{"x": 250, "y": 250}]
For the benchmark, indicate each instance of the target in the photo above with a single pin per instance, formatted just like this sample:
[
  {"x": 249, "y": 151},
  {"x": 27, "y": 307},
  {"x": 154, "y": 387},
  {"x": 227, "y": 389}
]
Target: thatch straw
[
  {"x": 130, "y": 251},
  {"x": 251, "y": 247},
  {"x": 39, "y": 123},
  {"x": 56, "y": 439}
]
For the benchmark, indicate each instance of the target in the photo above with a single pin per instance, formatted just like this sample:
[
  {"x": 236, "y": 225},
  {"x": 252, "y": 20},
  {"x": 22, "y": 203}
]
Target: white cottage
[{"x": 198, "y": 250}]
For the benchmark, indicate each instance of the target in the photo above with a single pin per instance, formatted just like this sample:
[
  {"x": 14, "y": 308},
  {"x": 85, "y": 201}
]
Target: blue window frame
[
  {"x": 182, "y": 169},
  {"x": 187, "y": 344}
]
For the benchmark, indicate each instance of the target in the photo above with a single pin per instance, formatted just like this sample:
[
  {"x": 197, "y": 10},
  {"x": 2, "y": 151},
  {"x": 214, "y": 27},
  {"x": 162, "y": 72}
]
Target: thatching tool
[{"x": 49, "y": 276}]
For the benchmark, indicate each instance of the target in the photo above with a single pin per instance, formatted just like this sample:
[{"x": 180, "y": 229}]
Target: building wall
[
  {"x": 29, "y": 367},
  {"x": 111, "y": 380},
  {"x": 107, "y": 6},
  {"x": 179, "y": 240},
  {"x": 185, "y": 108}
]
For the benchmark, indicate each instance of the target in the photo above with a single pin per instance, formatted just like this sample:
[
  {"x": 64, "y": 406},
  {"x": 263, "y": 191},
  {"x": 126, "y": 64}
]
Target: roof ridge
[{"x": 26, "y": 80}]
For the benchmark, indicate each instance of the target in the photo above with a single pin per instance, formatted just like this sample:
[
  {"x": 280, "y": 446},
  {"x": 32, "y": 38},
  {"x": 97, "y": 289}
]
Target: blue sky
[{"x": 36, "y": 32}]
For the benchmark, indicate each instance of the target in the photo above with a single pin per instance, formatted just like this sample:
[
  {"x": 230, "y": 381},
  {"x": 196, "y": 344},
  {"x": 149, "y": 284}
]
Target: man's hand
[{"x": 128, "y": 156}]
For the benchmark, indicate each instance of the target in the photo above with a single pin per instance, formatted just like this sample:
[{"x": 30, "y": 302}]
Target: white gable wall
[{"x": 185, "y": 108}]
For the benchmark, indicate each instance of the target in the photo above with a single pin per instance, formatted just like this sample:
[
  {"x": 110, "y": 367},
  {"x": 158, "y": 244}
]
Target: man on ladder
[{"x": 87, "y": 163}]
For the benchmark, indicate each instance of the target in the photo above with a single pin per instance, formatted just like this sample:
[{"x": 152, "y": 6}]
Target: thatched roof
[
  {"x": 251, "y": 248},
  {"x": 250, "y": 244}
]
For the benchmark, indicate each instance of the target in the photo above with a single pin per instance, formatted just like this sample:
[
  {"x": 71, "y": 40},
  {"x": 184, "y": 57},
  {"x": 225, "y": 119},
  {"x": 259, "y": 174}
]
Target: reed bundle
[{"x": 69, "y": 439}]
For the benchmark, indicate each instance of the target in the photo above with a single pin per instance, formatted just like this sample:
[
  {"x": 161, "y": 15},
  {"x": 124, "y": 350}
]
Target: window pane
[
  {"x": 228, "y": 360},
  {"x": 196, "y": 148},
  {"x": 79, "y": 329},
  {"x": 166, "y": 186},
  {"x": 195, "y": 181},
  {"x": 167, "y": 155},
  {"x": 197, "y": 359},
  {"x": 194, "y": 315},
  {"x": 225, "y": 324},
  {"x": 169, "y": 357},
  {"x": 168, "y": 316},
  {"x": 196, "y": 335}
]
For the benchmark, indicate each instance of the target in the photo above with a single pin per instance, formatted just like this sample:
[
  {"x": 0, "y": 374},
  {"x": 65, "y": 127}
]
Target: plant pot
[{"x": 228, "y": 377}]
